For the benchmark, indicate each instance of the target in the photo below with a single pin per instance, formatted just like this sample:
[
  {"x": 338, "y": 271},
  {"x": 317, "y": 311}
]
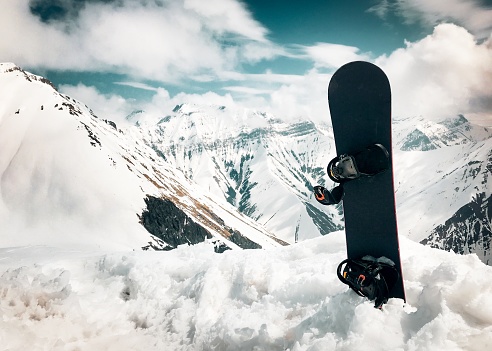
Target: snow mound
[{"x": 286, "y": 298}]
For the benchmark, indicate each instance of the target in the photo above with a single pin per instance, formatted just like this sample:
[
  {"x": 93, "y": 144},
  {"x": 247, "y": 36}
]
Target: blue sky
[
  {"x": 291, "y": 25},
  {"x": 120, "y": 55},
  {"x": 352, "y": 23}
]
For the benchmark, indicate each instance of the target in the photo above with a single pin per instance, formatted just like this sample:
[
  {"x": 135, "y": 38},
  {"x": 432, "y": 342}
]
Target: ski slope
[{"x": 286, "y": 298}]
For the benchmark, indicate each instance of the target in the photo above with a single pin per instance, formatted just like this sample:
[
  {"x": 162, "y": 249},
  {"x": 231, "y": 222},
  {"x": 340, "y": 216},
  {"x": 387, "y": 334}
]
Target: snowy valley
[{"x": 87, "y": 206}]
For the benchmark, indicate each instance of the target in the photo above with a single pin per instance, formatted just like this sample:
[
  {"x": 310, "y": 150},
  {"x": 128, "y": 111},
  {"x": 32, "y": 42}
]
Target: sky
[{"x": 276, "y": 56}]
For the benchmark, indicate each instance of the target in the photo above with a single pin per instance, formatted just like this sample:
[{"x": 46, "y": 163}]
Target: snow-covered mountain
[
  {"x": 261, "y": 165},
  {"x": 72, "y": 184},
  {"x": 469, "y": 230},
  {"x": 68, "y": 177},
  {"x": 443, "y": 181},
  {"x": 202, "y": 163},
  {"x": 266, "y": 167}
]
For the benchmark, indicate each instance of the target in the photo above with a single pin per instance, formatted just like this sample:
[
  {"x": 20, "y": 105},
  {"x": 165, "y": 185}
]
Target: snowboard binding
[
  {"x": 372, "y": 160},
  {"x": 328, "y": 197},
  {"x": 369, "y": 277}
]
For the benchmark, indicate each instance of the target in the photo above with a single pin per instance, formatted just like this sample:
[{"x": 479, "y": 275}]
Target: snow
[
  {"x": 268, "y": 155},
  {"x": 68, "y": 179},
  {"x": 287, "y": 298},
  {"x": 52, "y": 178},
  {"x": 69, "y": 280}
]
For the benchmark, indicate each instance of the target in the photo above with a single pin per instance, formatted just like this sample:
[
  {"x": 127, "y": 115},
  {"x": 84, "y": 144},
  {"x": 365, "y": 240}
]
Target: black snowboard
[{"x": 359, "y": 97}]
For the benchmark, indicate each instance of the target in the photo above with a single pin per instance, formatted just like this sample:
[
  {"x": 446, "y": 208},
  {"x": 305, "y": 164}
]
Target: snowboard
[{"x": 359, "y": 99}]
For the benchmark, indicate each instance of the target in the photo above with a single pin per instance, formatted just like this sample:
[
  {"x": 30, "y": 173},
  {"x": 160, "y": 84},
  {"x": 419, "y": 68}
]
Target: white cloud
[
  {"x": 163, "y": 42},
  {"x": 254, "y": 52},
  {"x": 112, "y": 107},
  {"x": 333, "y": 55},
  {"x": 471, "y": 14},
  {"x": 137, "y": 85},
  {"x": 442, "y": 75},
  {"x": 381, "y": 9},
  {"x": 294, "y": 102},
  {"x": 228, "y": 16},
  {"x": 247, "y": 90},
  {"x": 25, "y": 40},
  {"x": 162, "y": 102}
]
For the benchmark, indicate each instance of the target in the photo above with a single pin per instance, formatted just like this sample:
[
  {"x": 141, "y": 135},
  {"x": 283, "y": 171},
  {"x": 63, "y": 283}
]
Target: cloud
[
  {"x": 112, "y": 107},
  {"x": 247, "y": 90},
  {"x": 381, "y": 9},
  {"x": 471, "y": 14},
  {"x": 442, "y": 75},
  {"x": 116, "y": 108},
  {"x": 333, "y": 55},
  {"x": 225, "y": 16},
  {"x": 162, "y": 40},
  {"x": 304, "y": 99},
  {"x": 137, "y": 85}
]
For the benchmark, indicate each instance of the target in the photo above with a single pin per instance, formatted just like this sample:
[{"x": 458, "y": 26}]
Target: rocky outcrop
[
  {"x": 173, "y": 227},
  {"x": 469, "y": 230},
  {"x": 167, "y": 222}
]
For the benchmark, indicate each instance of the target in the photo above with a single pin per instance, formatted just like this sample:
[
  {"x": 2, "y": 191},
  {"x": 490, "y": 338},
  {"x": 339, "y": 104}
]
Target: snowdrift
[{"x": 286, "y": 298}]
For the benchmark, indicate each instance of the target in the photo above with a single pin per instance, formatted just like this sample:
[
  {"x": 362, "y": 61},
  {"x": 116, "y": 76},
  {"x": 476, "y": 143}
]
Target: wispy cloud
[
  {"x": 472, "y": 14},
  {"x": 381, "y": 9},
  {"x": 333, "y": 55},
  {"x": 247, "y": 90},
  {"x": 137, "y": 85}
]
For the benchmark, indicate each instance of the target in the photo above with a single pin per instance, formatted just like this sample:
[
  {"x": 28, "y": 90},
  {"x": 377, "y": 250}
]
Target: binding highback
[{"x": 368, "y": 162}]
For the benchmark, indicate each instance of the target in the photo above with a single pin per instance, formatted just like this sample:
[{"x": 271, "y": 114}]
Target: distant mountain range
[
  {"x": 443, "y": 178},
  {"x": 244, "y": 177},
  {"x": 264, "y": 167}
]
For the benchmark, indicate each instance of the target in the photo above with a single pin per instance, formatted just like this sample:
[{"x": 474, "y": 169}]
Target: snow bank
[{"x": 287, "y": 298}]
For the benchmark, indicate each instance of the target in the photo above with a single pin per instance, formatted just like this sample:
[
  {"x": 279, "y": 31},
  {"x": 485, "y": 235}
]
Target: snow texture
[{"x": 285, "y": 298}]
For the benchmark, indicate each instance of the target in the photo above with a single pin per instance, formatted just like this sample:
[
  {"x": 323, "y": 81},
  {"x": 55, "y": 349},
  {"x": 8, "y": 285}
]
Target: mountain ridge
[
  {"x": 237, "y": 162},
  {"x": 70, "y": 177},
  {"x": 210, "y": 161}
]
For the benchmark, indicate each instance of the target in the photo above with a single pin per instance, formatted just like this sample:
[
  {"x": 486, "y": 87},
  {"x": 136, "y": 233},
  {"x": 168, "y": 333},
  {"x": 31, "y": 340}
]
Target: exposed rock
[
  {"x": 469, "y": 230},
  {"x": 167, "y": 222}
]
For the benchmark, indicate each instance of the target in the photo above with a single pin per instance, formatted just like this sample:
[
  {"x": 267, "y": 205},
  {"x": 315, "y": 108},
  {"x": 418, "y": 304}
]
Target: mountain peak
[
  {"x": 62, "y": 167},
  {"x": 16, "y": 70},
  {"x": 429, "y": 135},
  {"x": 454, "y": 122}
]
